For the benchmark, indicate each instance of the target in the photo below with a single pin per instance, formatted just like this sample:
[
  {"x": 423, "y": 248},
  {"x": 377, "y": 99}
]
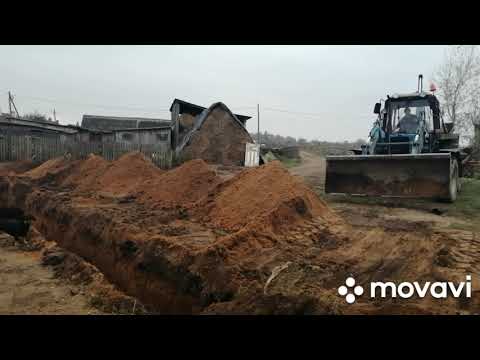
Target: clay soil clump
[
  {"x": 16, "y": 167},
  {"x": 86, "y": 174},
  {"x": 264, "y": 197},
  {"x": 122, "y": 176},
  {"x": 52, "y": 166},
  {"x": 182, "y": 186}
]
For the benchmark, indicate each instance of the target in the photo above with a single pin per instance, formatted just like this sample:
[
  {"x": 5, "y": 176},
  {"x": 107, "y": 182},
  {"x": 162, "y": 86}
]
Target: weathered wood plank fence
[{"x": 40, "y": 149}]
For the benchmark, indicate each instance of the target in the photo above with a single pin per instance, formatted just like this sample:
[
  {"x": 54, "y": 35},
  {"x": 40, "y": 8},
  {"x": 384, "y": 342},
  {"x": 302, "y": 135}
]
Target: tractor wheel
[{"x": 454, "y": 182}]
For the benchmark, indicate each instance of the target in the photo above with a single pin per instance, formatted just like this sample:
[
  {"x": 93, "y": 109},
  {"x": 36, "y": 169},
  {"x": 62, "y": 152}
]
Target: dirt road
[
  {"x": 28, "y": 288},
  {"x": 312, "y": 170}
]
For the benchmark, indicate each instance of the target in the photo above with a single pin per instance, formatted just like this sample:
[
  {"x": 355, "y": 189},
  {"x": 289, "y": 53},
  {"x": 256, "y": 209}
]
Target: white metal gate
[{"x": 252, "y": 154}]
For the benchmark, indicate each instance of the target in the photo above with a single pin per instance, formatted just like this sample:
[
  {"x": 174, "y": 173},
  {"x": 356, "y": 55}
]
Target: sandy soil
[
  {"x": 312, "y": 171},
  {"x": 395, "y": 243},
  {"x": 199, "y": 240},
  {"x": 15, "y": 167},
  {"x": 28, "y": 288}
]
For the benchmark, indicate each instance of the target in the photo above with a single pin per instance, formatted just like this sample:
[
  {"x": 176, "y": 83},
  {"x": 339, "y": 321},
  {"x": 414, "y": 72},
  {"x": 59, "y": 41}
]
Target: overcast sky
[{"x": 315, "y": 92}]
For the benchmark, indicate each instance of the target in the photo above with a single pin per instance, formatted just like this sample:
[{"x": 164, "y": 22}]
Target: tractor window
[{"x": 406, "y": 115}]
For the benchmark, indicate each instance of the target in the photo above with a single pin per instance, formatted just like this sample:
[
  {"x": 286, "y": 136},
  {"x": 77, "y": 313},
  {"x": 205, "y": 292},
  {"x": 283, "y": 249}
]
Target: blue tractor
[{"x": 410, "y": 152}]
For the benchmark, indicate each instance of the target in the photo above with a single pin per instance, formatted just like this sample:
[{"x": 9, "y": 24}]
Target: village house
[
  {"x": 213, "y": 134},
  {"x": 11, "y": 125},
  {"x": 131, "y": 130}
]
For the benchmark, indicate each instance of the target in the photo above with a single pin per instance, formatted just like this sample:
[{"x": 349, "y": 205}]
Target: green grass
[
  {"x": 468, "y": 200},
  {"x": 465, "y": 226}
]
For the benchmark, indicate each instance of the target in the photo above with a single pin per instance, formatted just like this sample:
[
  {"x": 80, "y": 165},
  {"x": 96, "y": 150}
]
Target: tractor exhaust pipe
[{"x": 420, "y": 83}]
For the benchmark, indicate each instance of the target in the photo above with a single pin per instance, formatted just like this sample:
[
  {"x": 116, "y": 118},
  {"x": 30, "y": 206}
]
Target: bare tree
[
  {"x": 36, "y": 116},
  {"x": 458, "y": 80}
]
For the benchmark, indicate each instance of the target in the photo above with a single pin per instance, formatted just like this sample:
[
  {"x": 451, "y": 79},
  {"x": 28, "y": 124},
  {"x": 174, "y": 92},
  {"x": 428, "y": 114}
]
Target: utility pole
[
  {"x": 10, "y": 103},
  {"x": 258, "y": 124},
  {"x": 54, "y": 116}
]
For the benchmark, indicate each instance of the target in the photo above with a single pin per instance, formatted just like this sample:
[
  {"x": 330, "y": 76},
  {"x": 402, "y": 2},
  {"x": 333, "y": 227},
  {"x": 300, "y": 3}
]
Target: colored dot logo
[{"x": 344, "y": 290}]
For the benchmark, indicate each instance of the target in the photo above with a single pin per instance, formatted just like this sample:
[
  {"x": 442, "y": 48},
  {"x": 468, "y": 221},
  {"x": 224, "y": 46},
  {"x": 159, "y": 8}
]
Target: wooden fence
[{"x": 40, "y": 149}]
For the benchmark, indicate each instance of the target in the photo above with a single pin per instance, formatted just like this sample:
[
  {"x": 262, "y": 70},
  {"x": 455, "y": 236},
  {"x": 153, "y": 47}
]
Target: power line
[
  {"x": 293, "y": 112},
  {"x": 244, "y": 107},
  {"x": 165, "y": 109},
  {"x": 49, "y": 100}
]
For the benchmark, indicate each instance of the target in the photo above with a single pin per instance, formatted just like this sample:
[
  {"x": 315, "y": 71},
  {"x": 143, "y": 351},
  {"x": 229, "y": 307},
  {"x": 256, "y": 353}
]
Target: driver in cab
[{"x": 408, "y": 123}]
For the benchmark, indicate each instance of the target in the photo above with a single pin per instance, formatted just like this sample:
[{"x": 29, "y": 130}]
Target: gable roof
[
  {"x": 145, "y": 129},
  {"x": 97, "y": 122},
  {"x": 203, "y": 116},
  {"x": 186, "y": 107}
]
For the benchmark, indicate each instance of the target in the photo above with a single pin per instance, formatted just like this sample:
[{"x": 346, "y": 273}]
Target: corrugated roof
[
  {"x": 15, "y": 121},
  {"x": 145, "y": 128},
  {"x": 100, "y": 122}
]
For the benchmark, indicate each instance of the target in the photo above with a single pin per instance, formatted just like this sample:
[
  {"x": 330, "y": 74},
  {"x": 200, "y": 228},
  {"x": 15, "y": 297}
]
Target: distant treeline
[{"x": 315, "y": 146}]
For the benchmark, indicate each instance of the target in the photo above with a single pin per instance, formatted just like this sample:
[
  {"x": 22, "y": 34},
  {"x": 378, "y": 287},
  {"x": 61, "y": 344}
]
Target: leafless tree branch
[{"x": 458, "y": 80}]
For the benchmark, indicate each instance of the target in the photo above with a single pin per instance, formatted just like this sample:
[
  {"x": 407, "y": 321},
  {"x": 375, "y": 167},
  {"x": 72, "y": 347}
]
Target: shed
[
  {"x": 217, "y": 136},
  {"x": 11, "y": 125}
]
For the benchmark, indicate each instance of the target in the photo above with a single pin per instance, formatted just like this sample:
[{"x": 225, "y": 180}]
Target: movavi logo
[{"x": 405, "y": 290}]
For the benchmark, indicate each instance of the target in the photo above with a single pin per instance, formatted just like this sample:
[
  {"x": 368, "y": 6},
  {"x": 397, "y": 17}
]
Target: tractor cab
[{"x": 407, "y": 124}]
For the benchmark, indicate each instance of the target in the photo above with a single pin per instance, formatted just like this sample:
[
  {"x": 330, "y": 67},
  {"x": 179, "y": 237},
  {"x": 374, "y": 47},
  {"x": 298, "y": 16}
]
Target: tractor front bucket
[{"x": 413, "y": 176}]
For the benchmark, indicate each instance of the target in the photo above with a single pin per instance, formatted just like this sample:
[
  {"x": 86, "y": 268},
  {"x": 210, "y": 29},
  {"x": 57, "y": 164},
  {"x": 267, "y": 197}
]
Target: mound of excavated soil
[
  {"x": 85, "y": 175},
  {"x": 15, "y": 167},
  {"x": 266, "y": 196},
  {"x": 182, "y": 186},
  {"x": 51, "y": 166},
  {"x": 128, "y": 173},
  {"x": 118, "y": 177}
]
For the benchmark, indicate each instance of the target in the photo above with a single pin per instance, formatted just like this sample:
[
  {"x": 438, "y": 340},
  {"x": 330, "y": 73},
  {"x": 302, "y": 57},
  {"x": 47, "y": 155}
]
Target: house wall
[
  {"x": 107, "y": 123},
  {"x": 7, "y": 129},
  {"x": 108, "y": 137},
  {"x": 24, "y": 130},
  {"x": 220, "y": 140},
  {"x": 144, "y": 137}
]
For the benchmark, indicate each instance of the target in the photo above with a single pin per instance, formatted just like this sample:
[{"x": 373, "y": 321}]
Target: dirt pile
[
  {"x": 95, "y": 174},
  {"x": 85, "y": 175},
  {"x": 266, "y": 197},
  {"x": 118, "y": 177},
  {"x": 128, "y": 173},
  {"x": 52, "y": 167},
  {"x": 181, "y": 186},
  {"x": 16, "y": 167},
  {"x": 186, "y": 238}
]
